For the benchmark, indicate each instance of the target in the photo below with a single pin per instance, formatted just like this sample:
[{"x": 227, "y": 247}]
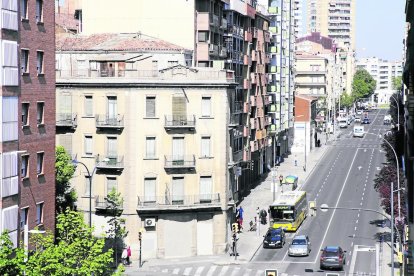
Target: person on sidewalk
[
  {"x": 241, "y": 211},
  {"x": 296, "y": 160},
  {"x": 128, "y": 259},
  {"x": 281, "y": 180}
]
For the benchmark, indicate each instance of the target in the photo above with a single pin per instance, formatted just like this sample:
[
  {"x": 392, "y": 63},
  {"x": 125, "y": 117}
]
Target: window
[
  {"x": 25, "y": 114},
  {"x": 177, "y": 190},
  {"x": 39, "y": 213},
  {"x": 24, "y": 61},
  {"x": 40, "y": 156},
  {"x": 88, "y": 145},
  {"x": 150, "y": 107},
  {"x": 88, "y": 106},
  {"x": 39, "y": 11},
  {"x": 25, "y": 166},
  {"x": 205, "y": 189},
  {"x": 40, "y": 113},
  {"x": 205, "y": 146},
  {"x": 111, "y": 184},
  {"x": 150, "y": 189},
  {"x": 202, "y": 36},
  {"x": 10, "y": 63},
  {"x": 87, "y": 186},
  {"x": 10, "y": 174},
  {"x": 150, "y": 148},
  {"x": 39, "y": 65},
  {"x": 23, "y": 9},
  {"x": 206, "y": 106},
  {"x": 24, "y": 217}
]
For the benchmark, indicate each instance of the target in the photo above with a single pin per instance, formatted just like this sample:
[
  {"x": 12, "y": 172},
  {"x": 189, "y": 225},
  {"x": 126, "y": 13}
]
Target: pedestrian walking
[
  {"x": 281, "y": 180},
  {"x": 128, "y": 255},
  {"x": 296, "y": 160},
  {"x": 241, "y": 211},
  {"x": 124, "y": 256}
]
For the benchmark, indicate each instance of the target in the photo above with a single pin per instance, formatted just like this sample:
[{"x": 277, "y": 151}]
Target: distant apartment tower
[
  {"x": 28, "y": 132},
  {"x": 223, "y": 34},
  {"x": 383, "y": 72},
  {"x": 298, "y": 18},
  {"x": 333, "y": 18}
]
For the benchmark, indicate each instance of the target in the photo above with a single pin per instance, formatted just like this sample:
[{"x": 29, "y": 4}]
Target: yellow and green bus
[{"x": 289, "y": 210}]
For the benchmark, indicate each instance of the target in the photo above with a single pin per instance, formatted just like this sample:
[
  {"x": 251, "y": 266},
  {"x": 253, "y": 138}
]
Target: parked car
[
  {"x": 274, "y": 238},
  {"x": 359, "y": 112},
  {"x": 300, "y": 246},
  {"x": 332, "y": 257},
  {"x": 357, "y": 119},
  {"x": 366, "y": 120}
]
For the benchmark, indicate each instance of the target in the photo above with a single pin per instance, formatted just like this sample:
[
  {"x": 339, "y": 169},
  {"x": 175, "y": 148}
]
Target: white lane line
[
  {"x": 356, "y": 227},
  {"x": 336, "y": 205},
  {"x": 199, "y": 270},
  {"x": 210, "y": 272},
  {"x": 358, "y": 213},
  {"x": 357, "y": 220}
]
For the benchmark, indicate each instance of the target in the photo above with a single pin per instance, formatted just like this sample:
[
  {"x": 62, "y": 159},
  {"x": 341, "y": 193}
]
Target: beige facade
[{"x": 158, "y": 136}]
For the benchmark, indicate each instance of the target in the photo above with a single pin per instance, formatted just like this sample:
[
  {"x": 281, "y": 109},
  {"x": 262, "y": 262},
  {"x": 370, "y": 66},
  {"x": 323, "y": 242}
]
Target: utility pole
[{"x": 140, "y": 246}]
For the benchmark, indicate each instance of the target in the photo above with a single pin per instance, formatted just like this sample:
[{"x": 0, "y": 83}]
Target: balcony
[
  {"x": 254, "y": 55},
  {"x": 111, "y": 122},
  {"x": 215, "y": 21},
  {"x": 178, "y": 202},
  {"x": 69, "y": 120},
  {"x": 234, "y": 120},
  {"x": 248, "y": 36},
  {"x": 267, "y": 36},
  {"x": 203, "y": 20},
  {"x": 247, "y": 60},
  {"x": 223, "y": 52},
  {"x": 247, "y": 84},
  {"x": 179, "y": 122},
  {"x": 223, "y": 24},
  {"x": 102, "y": 205},
  {"x": 254, "y": 78},
  {"x": 213, "y": 49},
  {"x": 246, "y": 107},
  {"x": 255, "y": 32},
  {"x": 253, "y": 100},
  {"x": 110, "y": 162},
  {"x": 254, "y": 146},
  {"x": 184, "y": 162},
  {"x": 245, "y": 131}
]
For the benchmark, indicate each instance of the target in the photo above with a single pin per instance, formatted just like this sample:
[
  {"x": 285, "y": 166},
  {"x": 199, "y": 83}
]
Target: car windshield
[
  {"x": 331, "y": 254},
  {"x": 273, "y": 234},
  {"x": 299, "y": 242}
]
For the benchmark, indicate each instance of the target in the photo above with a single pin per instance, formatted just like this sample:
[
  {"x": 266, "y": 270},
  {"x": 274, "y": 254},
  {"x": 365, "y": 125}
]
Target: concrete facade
[{"x": 159, "y": 136}]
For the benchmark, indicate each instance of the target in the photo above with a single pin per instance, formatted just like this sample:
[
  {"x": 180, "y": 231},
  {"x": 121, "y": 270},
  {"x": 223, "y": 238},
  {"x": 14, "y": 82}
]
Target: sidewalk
[{"x": 261, "y": 196}]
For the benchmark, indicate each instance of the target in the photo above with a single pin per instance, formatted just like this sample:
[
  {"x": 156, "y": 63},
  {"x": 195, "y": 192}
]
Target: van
[
  {"x": 343, "y": 122},
  {"x": 359, "y": 131}
]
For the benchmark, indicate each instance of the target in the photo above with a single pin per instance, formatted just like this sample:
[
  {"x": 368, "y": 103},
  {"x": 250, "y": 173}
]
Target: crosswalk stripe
[
  {"x": 187, "y": 271},
  {"x": 211, "y": 270},
  {"x": 260, "y": 273},
  {"x": 164, "y": 270},
  {"x": 175, "y": 271},
  {"x": 224, "y": 270},
  {"x": 235, "y": 271},
  {"x": 247, "y": 272},
  {"x": 199, "y": 270}
]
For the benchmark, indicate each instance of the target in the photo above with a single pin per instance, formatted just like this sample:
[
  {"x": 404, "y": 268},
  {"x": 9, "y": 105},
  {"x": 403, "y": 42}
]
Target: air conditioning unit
[{"x": 149, "y": 222}]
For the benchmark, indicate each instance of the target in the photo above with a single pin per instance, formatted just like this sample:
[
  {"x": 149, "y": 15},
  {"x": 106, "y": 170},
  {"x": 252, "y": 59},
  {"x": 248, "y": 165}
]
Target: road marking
[
  {"x": 187, "y": 271},
  {"x": 259, "y": 272},
  {"x": 359, "y": 168},
  {"x": 211, "y": 270},
  {"x": 247, "y": 272},
  {"x": 336, "y": 205},
  {"x": 199, "y": 270},
  {"x": 235, "y": 271},
  {"x": 224, "y": 270}
]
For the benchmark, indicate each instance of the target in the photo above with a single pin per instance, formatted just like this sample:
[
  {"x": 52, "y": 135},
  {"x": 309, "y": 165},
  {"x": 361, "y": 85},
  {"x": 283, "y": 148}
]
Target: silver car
[{"x": 300, "y": 246}]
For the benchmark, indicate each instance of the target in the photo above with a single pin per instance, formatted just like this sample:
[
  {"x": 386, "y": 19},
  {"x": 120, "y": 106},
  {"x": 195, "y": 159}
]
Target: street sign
[{"x": 324, "y": 207}]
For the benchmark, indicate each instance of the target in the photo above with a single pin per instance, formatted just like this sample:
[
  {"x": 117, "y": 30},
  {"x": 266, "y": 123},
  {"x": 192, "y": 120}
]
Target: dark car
[
  {"x": 274, "y": 238},
  {"x": 332, "y": 257},
  {"x": 365, "y": 120}
]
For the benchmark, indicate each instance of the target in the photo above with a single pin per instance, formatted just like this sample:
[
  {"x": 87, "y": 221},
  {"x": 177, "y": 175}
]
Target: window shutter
[
  {"x": 9, "y": 217},
  {"x": 110, "y": 184},
  {"x": 150, "y": 147},
  {"x": 150, "y": 189},
  {"x": 88, "y": 106},
  {"x": 65, "y": 141},
  {"x": 205, "y": 188},
  {"x": 205, "y": 146},
  {"x": 178, "y": 189},
  {"x": 205, "y": 106},
  {"x": 178, "y": 148},
  {"x": 88, "y": 145},
  {"x": 179, "y": 108},
  {"x": 10, "y": 177},
  {"x": 10, "y": 115},
  {"x": 10, "y": 70},
  {"x": 112, "y": 143},
  {"x": 150, "y": 107}
]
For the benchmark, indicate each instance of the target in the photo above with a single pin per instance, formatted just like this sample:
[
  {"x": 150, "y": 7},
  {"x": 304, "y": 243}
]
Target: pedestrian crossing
[{"x": 219, "y": 270}]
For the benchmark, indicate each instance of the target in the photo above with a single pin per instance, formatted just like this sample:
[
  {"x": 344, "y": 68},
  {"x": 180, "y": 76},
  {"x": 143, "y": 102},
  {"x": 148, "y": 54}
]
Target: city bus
[{"x": 289, "y": 210}]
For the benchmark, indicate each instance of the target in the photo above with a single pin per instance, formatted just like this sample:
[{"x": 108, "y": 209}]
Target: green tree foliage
[
  {"x": 64, "y": 170},
  {"x": 396, "y": 83},
  {"x": 74, "y": 252},
  {"x": 346, "y": 100},
  {"x": 363, "y": 85}
]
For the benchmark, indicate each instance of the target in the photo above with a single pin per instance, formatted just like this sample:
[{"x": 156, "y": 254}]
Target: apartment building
[
  {"x": 28, "y": 133},
  {"x": 223, "y": 34},
  {"x": 155, "y": 130},
  {"x": 383, "y": 72}
]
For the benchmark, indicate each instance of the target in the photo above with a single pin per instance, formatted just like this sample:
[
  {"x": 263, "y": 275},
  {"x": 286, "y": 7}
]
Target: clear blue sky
[{"x": 380, "y": 28}]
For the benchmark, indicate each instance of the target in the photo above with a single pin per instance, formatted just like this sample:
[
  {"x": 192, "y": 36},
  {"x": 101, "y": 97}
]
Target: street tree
[
  {"x": 64, "y": 170},
  {"x": 346, "y": 100},
  {"x": 11, "y": 259},
  {"x": 117, "y": 231},
  {"x": 396, "y": 83},
  {"x": 363, "y": 85}
]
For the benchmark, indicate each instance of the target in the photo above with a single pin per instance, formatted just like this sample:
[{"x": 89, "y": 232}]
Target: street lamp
[
  {"x": 398, "y": 111},
  {"x": 398, "y": 172},
  {"x": 325, "y": 207}
]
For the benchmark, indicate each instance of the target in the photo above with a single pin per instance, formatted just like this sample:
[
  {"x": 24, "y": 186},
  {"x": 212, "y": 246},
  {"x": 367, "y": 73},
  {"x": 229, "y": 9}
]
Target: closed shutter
[
  {"x": 9, "y": 221},
  {"x": 206, "y": 106},
  {"x": 179, "y": 108},
  {"x": 205, "y": 188},
  {"x": 10, "y": 70},
  {"x": 10, "y": 115},
  {"x": 150, "y": 147},
  {"x": 10, "y": 174},
  {"x": 111, "y": 184},
  {"x": 88, "y": 106},
  {"x": 112, "y": 108},
  {"x": 9, "y": 15},
  {"x": 65, "y": 103},
  {"x": 178, "y": 190},
  {"x": 150, "y": 107},
  {"x": 178, "y": 148},
  {"x": 65, "y": 140},
  {"x": 150, "y": 189},
  {"x": 112, "y": 143},
  {"x": 205, "y": 147},
  {"x": 88, "y": 145}
]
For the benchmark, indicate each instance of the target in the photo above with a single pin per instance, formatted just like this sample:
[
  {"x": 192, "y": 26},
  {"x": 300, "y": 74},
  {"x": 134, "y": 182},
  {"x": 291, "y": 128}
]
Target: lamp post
[
  {"x": 398, "y": 112},
  {"x": 325, "y": 207}
]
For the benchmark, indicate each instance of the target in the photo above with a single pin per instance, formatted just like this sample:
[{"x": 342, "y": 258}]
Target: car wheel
[{"x": 321, "y": 267}]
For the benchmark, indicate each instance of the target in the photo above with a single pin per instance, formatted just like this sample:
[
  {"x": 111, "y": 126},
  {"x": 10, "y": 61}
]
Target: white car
[
  {"x": 357, "y": 119},
  {"x": 359, "y": 131},
  {"x": 343, "y": 122}
]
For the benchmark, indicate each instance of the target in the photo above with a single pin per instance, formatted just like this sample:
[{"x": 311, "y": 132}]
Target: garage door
[
  {"x": 205, "y": 237},
  {"x": 177, "y": 237}
]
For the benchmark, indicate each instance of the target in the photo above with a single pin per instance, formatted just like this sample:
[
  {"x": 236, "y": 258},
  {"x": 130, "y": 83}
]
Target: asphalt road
[{"x": 344, "y": 178}]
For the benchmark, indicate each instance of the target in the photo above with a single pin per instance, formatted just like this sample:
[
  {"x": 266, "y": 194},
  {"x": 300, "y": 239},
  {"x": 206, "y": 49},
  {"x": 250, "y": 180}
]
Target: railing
[
  {"x": 177, "y": 162},
  {"x": 235, "y": 120},
  {"x": 102, "y": 203},
  {"x": 238, "y": 107},
  {"x": 109, "y": 162},
  {"x": 67, "y": 119},
  {"x": 179, "y": 121},
  {"x": 178, "y": 200},
  {"x": 110, "y": 121}
]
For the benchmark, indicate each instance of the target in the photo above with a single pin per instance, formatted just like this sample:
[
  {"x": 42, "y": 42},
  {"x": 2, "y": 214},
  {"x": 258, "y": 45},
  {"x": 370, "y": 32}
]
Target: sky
[{"x": 380, "y": 28}]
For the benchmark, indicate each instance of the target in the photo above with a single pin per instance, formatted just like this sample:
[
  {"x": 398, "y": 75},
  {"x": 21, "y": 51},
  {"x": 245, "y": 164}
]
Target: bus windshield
[{"x": 282, "y": 213}]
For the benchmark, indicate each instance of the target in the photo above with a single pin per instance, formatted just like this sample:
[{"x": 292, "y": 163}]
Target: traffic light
[
  {"x": 235, "y": 228},
  {"x": 252, "y": 165},
  {"x": 139, "y": 235}
]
